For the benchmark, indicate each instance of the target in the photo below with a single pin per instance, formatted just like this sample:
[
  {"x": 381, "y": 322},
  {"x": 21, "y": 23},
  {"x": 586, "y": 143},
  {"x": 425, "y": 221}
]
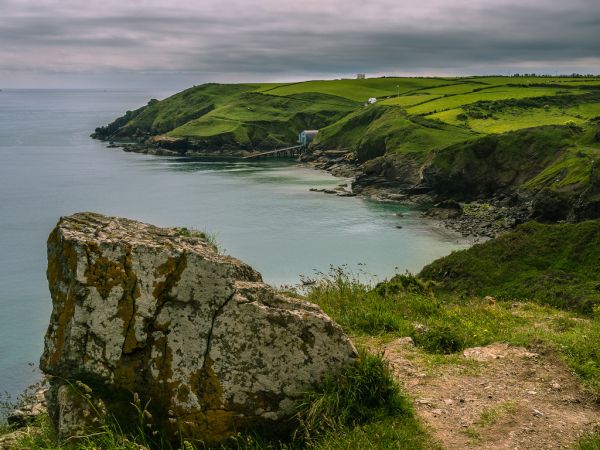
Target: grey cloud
[{"x": 271, "y": 39}]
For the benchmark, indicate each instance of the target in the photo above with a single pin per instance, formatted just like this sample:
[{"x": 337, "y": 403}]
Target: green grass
[
  {"x": 208, "y": 126},
  {"x": 515, "y": 119},
  {"x": 254, "y": 119},
  {"x": 448, "y": 322},
  {"x": 409, "y": 100},
  {"x": 358, "y": 395},
  {"x": 351, "y": 407},
  {"x": 552, "y": 264},
  {"x": 579, "y": 82},
  {"x": 573, "y": 169},
  {"x": 459, "y": 88},
  {"x": 185, "y": 106},
  {"x": 589, "y": 442},
  {"x": 520, "y": 118},
  {"x": 361, "y": 90},
  {"x": 379, "y": 129},
  {"x": 492, "y": 94},
  {"x": 489, "y": 417},
  {"x": 585, "y": 111}
]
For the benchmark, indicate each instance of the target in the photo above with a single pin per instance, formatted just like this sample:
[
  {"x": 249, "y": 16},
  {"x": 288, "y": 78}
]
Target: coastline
[
  {"x": 475, "y": 221},
  {"x": 478, "y": 220}
]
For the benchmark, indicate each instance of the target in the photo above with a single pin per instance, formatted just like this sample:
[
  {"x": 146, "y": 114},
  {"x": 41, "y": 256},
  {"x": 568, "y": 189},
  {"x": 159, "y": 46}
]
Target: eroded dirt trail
[{"x": 502, "y": 398}]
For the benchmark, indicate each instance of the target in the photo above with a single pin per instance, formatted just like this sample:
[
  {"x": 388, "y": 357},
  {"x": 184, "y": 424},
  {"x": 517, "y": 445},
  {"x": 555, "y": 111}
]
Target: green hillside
[
  {"x": 271, "y": 114},
  {"x": 458, "y": 138},
  {"x": 379, "y": 129},
  {"x": 552, "y": 264},
  {"x": 254, "y": 119},
  {"x": 361, "y": 90}
]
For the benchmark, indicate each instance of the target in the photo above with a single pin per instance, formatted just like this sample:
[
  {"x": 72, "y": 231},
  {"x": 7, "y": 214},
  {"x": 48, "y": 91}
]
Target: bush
[
  {"x": 440, "y": 339},
  {"x": 406, "y": 283},
  {"x": 362, "y": 393},
  {"x": 355, "y": 306}
]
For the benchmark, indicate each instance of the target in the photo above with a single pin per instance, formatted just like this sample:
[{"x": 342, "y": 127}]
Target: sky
[{"x": 175, "y": 44}]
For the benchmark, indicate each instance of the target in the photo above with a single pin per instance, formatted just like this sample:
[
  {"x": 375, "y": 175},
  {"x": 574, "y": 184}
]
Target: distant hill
[{"x": 448, "y": 138}]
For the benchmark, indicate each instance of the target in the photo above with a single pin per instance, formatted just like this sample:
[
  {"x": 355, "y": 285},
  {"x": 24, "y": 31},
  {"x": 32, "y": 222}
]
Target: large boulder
[{"x": 157, "y": 314}]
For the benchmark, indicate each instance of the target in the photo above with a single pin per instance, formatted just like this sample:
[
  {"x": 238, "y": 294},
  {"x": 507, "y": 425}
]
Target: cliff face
[{"x": 195, "y": 334}]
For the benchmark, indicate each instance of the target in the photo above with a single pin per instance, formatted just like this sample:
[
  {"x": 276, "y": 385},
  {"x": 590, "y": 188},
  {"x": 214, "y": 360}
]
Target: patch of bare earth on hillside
[{"x": 496, "y": 397}]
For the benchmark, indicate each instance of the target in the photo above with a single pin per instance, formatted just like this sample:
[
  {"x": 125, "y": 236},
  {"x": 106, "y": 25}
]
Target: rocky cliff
[{"x": 157, "y": 314}]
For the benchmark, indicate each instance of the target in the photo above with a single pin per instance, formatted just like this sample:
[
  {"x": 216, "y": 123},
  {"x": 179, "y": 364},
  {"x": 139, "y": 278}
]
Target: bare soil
[{"x": 496, "y": 397}]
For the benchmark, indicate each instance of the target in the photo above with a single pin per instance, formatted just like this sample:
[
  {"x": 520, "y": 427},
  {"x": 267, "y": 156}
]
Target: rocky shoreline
[
  {"x": 478, "y": 219},
  {"x": 146, "y": 149},
  {"x": 486, "y": 218}
]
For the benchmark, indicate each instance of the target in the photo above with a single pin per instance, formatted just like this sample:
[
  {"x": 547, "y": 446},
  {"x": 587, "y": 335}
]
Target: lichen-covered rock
[
  {"x": 159, "y": 312},
  {"x": 29, "y": 410},
  {"x": 74, "y": 409}
]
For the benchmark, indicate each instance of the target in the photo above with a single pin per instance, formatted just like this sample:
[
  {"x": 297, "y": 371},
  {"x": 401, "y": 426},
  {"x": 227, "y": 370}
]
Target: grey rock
[
  {"x": 160, "y": 313},
  {"x": 28, "y": 412}
]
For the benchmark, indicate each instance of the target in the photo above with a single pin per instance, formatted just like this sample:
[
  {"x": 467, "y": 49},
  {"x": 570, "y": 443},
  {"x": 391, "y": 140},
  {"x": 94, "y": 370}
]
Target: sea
[{"x": 260, "y": 211}]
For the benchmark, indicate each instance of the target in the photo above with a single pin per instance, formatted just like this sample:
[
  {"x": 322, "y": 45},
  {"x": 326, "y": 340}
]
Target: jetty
[{"x": 286, "y": 152}]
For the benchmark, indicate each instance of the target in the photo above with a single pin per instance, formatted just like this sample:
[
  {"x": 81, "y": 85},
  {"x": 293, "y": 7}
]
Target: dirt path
[{"x": 501, "y": 398}]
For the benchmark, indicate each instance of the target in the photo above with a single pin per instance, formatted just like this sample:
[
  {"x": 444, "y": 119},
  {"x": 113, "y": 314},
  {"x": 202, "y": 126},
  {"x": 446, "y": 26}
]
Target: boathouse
[{"x": 306, "y": 136}]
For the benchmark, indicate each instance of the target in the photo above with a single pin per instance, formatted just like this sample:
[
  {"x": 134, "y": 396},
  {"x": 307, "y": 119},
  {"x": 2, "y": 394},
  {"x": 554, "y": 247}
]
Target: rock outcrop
[
  {"x": 158, "y": 314},
  {"x": 29, "y": 410}
]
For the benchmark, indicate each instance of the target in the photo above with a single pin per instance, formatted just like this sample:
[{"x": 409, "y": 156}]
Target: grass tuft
[{"x": 356, "y": 395}]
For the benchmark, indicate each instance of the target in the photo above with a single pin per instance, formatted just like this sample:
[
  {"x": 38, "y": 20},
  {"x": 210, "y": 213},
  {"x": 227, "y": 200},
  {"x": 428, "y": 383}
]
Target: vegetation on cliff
[
  {"x": 215, "y": 116},
  {"x": 551, "y": 264},
  {"x": 449, "y": 138},
  {"x": 251, "y": 115}
]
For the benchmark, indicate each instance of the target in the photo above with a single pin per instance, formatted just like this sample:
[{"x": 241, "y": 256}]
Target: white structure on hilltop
[{"x": 372, "y": 100}]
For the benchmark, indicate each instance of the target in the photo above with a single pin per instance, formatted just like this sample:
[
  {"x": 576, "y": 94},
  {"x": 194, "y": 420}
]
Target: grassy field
[
  {"x": 381, "y": 129},
  {"x": 269, "y": 115},
  {"x": 492, "y": 94},
  {"x": 432, "y": 119},
  {"x": 259, "y": 117},
  {"x": 361, "y": 90},
  {"x": 406, "y": 101},
  {"x": 509, "y": 121}
]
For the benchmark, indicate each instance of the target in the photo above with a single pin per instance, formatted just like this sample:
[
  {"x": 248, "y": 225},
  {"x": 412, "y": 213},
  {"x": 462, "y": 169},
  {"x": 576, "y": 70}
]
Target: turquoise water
[{"x": 261, "y": 212}]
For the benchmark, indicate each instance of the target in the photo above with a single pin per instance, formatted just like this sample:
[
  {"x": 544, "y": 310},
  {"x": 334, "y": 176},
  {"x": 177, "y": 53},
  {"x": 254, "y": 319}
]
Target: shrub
[
  {"x": 362, "y": 393},
  {"x": 440, "y": 339},
  {"x": 402, "y": 283}
]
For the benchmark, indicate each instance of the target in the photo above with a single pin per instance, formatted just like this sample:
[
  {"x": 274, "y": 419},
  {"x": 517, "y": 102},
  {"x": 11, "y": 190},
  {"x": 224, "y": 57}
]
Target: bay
[{"x": 259, "y": 211}]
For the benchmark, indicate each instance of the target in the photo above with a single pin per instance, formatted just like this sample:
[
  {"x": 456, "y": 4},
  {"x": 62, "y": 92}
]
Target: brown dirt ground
[{"x": 496, "y": 397}]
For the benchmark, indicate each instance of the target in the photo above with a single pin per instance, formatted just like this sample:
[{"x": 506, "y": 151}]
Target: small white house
[
  {"x": 306, "y": 136},
  {"x": 372, "y": 100}
]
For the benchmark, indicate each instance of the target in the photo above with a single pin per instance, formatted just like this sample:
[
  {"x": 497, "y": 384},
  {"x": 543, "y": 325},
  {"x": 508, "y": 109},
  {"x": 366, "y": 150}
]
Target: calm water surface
[{"x": 261, "y": 212}]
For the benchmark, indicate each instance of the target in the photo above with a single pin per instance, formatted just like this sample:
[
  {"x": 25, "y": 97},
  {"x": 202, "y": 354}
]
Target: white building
[{"x": 306, "y": 136}]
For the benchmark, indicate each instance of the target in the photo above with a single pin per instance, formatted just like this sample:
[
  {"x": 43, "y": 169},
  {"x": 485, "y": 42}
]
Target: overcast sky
[{"x": 173, "y": 44}]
